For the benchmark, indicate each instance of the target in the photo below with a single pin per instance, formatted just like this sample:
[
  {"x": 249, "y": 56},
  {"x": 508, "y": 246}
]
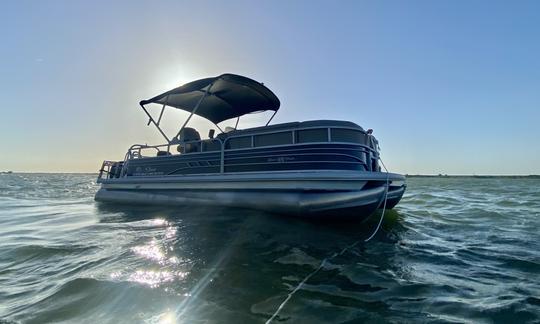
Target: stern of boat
[{"x": 110, "y": 170}]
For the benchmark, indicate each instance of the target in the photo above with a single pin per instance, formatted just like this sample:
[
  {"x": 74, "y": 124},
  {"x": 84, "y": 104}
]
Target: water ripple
[{"x": 456, "y": 250}]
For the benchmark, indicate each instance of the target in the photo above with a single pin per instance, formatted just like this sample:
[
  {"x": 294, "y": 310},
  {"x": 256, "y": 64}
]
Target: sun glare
[
  {"x": 168, "y": 318},
  {"x": 174, "y": 76}
]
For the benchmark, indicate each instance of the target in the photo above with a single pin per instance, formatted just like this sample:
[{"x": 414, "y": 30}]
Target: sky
[{"x": 449, "y": 87}]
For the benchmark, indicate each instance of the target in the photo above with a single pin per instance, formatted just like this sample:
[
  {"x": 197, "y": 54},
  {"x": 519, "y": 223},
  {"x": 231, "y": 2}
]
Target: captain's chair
[{"x": 188, "y": 134}]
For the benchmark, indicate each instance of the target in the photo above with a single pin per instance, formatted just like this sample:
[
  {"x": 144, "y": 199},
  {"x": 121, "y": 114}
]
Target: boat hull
[{"x": 314, "y": 194}]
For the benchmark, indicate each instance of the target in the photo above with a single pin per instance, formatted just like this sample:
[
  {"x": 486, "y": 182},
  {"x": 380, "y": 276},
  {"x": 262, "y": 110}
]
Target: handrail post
[{"x": 222, "y": 158}]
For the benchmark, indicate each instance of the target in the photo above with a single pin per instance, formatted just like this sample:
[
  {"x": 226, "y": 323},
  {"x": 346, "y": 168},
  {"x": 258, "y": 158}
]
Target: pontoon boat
[{"x": 320, "y": 168}]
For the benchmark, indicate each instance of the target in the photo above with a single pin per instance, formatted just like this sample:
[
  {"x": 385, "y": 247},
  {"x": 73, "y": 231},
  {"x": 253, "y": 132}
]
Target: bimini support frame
[
  {"x": 238, "y": 120},
  {"x": 206, "y": 93},
  {"x": 151, "y": 120},
  {"x": 163, "y": 109},
  {"x": 275, "y": 112}
]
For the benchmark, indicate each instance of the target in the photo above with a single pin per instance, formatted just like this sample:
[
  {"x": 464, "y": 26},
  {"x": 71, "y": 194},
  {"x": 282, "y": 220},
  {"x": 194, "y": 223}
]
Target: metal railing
[
  {"x": 108, "y": 170},
  {"x": 136, "y": 151}
]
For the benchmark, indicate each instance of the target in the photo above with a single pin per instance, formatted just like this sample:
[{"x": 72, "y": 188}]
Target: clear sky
[{"x": 448, "y": 86}]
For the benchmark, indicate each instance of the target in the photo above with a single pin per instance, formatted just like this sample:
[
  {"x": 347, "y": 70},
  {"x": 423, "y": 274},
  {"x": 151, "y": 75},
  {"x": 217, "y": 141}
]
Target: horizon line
[{"x": 405, "y": 174}]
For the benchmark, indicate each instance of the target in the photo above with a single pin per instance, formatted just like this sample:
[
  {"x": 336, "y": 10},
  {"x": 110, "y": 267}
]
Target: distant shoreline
[{"x": 531, "y": 176}]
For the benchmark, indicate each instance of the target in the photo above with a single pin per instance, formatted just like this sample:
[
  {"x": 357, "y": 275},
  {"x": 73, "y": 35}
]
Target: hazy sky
[{"x": 448, "y": 86}]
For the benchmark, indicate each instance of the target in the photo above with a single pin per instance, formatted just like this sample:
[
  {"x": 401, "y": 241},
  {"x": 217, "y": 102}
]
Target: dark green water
[{"x": 454, "y": 250}]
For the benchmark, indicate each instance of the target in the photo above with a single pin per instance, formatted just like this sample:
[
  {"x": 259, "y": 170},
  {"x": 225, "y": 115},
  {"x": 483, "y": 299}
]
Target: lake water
[{"x": 454, "y": 250}]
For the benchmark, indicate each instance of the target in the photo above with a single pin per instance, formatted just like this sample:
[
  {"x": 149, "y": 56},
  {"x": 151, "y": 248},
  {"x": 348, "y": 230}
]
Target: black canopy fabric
[{"x": 229, "y": 96}]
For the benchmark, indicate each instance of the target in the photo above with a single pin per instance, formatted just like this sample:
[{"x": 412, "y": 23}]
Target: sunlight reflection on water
[
  {"x": 150, "y": 251},
  {"x": 151, "y": 278}
]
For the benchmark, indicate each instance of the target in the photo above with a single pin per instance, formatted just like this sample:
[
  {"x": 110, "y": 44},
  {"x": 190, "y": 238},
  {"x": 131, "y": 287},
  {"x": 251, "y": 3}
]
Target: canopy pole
[
  {"x": 275, "y": 112},
  {"x": 196, "y": 107},
  {"x": 163, "y": 109},
  {"x": 236, "y": 125},
  {"x": 219, "y": 128},
  {"x": 156, "y": 124}
]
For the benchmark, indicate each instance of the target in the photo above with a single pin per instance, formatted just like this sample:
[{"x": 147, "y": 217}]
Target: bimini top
[{"x": 219, "y": 98}]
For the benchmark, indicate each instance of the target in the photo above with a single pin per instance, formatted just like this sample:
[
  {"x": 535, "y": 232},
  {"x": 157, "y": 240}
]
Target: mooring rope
[
  {"x": 384, "y": 204},
  {"x": 335, "y": 254}
]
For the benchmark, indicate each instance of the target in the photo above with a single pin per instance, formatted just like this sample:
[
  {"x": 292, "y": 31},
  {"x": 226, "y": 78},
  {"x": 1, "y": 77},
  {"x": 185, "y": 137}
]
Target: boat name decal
[
  {"x": 139, "y": 171},
  {"x": 281, "y": 159}
]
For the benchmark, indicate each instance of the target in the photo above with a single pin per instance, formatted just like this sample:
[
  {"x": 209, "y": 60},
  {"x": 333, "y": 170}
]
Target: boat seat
[
  {"x": 188, "y": 139},
  {"x": 163, "y": 153},
  {"x": 189, "y": 134},
  {"x": 255, "y": 130},
  {"x": 329, "y": 123},
  {"x": 290, "y": 126},
  {"x": 188, "y": 148}
]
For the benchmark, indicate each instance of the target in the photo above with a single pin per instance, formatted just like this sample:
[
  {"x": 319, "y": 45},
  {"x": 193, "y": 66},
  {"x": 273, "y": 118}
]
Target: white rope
[
  {"x": 295, "y": 290},
  {"x": 384, "y": 204},
  {"x": 289, "y": 296}
]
